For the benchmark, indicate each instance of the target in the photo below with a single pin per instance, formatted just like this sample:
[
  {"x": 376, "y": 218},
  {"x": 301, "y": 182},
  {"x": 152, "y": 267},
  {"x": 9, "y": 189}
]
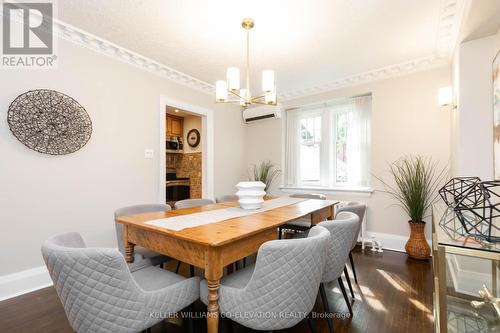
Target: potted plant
[
  {"x": 416, "y": 182},
  {"x": 265, "y": 172}
]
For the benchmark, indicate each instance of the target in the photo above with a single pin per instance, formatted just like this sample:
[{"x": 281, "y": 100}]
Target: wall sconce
[{"x": 445, "y": 97}]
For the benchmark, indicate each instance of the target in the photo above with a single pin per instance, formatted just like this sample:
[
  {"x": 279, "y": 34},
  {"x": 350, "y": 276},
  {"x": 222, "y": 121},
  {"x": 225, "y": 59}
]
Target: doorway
[{"x": 186, "y": 152}]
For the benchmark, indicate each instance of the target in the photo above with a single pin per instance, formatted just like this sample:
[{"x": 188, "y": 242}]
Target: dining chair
[
  {"x": 342, "y": 231},
  {"x": 189, "y": 203},
  {"x": 142, "y": 256},
  {"x": 227, "y": 198},
  {"x": 359, "y": 209},
  {"x": 100, "y": 294},
  {"x": 281, "y": 285},
  {"x": 303, "y": 223}
]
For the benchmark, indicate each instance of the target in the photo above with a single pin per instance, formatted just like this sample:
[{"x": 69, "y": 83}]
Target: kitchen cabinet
[{"x": 175, "y": 125}]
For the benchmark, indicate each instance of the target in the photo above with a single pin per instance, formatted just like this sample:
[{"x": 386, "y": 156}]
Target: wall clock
[
  {"x": 193, "y": 138},
  {"x": 49, "y": 122}
]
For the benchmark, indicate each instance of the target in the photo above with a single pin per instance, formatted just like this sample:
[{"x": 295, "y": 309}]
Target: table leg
[
  {"x": 129, "y": 252},
  {"x": 213, "y": 274},
  {"x": 129, "y": 247}
]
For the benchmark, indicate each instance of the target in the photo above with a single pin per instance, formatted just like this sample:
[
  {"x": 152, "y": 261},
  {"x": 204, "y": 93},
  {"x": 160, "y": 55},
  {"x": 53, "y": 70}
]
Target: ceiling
[{"x": 309, "y": 43}]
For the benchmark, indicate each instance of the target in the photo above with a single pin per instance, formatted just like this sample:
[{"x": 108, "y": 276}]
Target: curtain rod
[{"x": 325, "y": 103}]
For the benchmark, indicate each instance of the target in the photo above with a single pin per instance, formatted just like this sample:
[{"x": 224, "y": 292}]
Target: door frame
[{"x": 207, "y": 141}]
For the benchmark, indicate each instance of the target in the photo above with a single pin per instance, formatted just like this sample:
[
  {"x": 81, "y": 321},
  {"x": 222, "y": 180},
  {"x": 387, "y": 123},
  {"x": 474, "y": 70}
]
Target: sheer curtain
[
  {"x": 359, "y": 141},
  {"x": 292, "y": 161}
]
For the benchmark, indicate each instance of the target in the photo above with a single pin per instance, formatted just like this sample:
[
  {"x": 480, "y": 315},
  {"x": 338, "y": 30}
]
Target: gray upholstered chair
[
  {"x": 142, "y": 256},
  {"x": 359, "y": 209},
  {"x": 342, "y": 231},
  {"x": 189, "y": 203},
  {"x": 284, "y": 280},
  {"x": 303, "y": 223},
  {"x": 100, "y": 294},
  {"x": 227, "y": 198}
]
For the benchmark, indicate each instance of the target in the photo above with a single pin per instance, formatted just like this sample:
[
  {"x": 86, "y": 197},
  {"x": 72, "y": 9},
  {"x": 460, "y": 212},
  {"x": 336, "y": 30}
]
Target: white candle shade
[
  {"x": 233, "y": 78},
  {"x": 268, "y": 83},
  {"x": 221, "y": 90}
]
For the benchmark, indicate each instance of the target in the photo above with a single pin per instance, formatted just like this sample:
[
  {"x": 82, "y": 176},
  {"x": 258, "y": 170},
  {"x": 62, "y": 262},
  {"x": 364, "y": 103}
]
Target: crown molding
[
  {"x": 383, "y": 73},
  {"x": 103, "y": 46},
  {"x": 451, "y": 15}
]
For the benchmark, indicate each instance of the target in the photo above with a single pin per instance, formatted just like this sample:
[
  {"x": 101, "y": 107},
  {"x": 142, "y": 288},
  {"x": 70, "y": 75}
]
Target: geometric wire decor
[
  {"x": 49, "y": 122},
  {"x": 476, "y": 205}
]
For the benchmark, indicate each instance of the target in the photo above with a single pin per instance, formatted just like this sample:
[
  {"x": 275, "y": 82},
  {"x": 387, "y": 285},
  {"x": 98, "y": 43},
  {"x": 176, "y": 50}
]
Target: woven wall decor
[{"x": 49, "y": 122}]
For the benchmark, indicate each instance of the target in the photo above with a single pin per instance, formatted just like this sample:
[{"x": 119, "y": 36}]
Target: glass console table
[{"x": 462, "y": 265}]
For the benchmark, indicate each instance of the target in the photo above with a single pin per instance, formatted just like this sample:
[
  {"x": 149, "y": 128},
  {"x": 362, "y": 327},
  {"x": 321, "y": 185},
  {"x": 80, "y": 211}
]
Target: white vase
[{"x": 251, "y": 194}]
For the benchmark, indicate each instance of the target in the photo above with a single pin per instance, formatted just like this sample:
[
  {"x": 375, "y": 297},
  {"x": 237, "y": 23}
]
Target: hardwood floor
[{"x": 395, "y": 295}]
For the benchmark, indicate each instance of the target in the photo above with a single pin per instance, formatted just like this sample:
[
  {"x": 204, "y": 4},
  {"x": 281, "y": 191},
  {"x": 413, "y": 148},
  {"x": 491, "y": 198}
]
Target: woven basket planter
[{"x": 417, "y": 246}]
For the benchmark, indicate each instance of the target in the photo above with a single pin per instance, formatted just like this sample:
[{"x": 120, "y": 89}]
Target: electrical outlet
[{"x": 148, "y": 153}]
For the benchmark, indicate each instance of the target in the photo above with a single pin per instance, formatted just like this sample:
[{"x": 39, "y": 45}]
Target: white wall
[
  {"x": 191, "y": 122},
  {"x": 406, "y": 120},
  {"x": 44, "y": 195},
  {"x": 473, "y": 119}
]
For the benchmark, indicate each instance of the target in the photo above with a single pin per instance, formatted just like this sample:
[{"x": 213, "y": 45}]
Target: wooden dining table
[{"x": 214, "y": 246}]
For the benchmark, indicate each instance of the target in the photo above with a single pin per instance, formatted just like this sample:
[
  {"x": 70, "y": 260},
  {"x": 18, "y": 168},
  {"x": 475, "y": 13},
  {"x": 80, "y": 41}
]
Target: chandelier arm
[
  {"x": 235, "y": 94},
  {"x": 261, "y": 96}
]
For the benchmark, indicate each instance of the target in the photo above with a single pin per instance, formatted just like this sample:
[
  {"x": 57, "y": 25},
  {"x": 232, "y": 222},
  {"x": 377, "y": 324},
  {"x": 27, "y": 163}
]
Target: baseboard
[
  {"x": 389, "y": 241},
  {"x": 23, "y": 282}
]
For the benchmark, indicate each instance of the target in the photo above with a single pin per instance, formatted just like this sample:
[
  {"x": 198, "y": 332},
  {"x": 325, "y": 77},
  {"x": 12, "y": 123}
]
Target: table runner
[{"x": 181, "y": 222}]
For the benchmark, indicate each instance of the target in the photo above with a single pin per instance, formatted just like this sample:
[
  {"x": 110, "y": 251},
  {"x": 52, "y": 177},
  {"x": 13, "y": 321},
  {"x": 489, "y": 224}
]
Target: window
[{"x": 328, "y": 145}]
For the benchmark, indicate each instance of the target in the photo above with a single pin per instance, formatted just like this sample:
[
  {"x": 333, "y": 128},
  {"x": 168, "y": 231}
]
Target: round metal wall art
[{"x": 49, "y": 122}]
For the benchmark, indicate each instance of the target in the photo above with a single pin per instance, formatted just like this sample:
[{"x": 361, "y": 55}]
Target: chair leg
[
  {"x": 342, "y": 288},
  {"x": 244, "y": 262},
  {"x": 326, "y": 307},
  {"x": 237, "y": 265},
  {"x": 178, "y": 266},
  {"x": 190, "y": 321},
  {"x": 191, "y": 270},
  {"x": 312, "y": 324},
  {"x": 280, "y": 231},
  {"x": 353, "y": 268},
  {"x": 346, "y": 273}
]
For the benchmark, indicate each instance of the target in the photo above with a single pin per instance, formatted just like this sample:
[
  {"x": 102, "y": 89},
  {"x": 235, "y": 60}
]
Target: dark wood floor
[{"x": 394, "y": 295}]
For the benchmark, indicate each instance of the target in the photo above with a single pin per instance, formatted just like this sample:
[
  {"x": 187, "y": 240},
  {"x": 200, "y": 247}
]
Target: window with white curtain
[{"x": 328, "y": 144}]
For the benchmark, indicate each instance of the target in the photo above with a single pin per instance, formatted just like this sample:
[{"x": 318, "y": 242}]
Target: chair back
[
  {"x": 95, "y": 286},
  {"x": 342, "y": 232},
  {"x": 227, "y": 198},
  {"x": 132, "y": 210},
  {"x": 285, "y": 280},
  {"x": 189, "y": 203},
  {"x": 309, "y": 196},
  {"x": 359, "y": 209}
]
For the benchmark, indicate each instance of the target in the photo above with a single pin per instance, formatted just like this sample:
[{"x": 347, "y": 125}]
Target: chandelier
[{"x": 243, "y": 96}]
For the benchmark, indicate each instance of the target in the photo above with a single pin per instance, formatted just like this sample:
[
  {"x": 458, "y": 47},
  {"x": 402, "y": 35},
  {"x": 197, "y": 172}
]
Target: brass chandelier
[{"x": 243, "y": 96}]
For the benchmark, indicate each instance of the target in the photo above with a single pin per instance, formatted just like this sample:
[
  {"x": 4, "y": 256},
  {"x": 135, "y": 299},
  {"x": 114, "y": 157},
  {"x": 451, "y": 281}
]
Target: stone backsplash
[{"x": 188, "y": 165}]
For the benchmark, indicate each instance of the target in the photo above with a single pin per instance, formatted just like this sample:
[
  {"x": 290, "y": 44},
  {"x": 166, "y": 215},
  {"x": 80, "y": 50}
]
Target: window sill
[{"x": 362, "y": 191}]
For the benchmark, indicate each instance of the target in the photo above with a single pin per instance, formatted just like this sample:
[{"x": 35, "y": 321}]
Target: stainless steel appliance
[
  {"x": 174, "y": 144},
  {"x": 176, "y": 188}
]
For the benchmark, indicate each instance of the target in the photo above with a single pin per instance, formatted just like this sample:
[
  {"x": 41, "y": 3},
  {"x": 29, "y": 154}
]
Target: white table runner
[{"x": 181, "y": 222}]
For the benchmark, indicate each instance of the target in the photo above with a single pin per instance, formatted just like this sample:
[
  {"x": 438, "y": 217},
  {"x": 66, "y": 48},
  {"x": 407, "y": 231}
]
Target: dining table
[{"x": 213, "y": 246}]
